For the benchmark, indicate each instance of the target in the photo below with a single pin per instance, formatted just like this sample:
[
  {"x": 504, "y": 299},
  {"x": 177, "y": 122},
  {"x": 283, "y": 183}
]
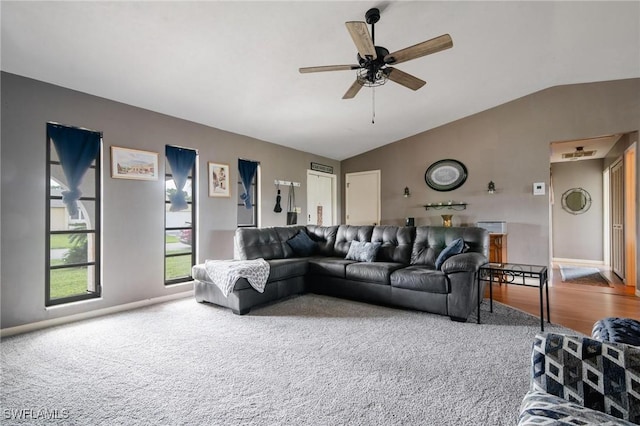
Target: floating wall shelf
[{"x": 447, "y": 205}]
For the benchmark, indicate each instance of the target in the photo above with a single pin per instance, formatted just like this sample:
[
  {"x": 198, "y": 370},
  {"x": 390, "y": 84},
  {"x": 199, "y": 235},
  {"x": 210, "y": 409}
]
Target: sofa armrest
[
  {"x": 464, "y": 262},
  {"x": 602, "y": 376}
]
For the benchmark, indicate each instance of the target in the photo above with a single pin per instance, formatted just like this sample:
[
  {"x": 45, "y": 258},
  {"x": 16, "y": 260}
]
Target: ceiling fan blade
[
  {"x": 421, "y": 49},
  {"x": 329, "y": 68},
  {"x": 404, "y": 79},
  {"x": 361, "y": 38},
  {"x": 353, "y": 90}
]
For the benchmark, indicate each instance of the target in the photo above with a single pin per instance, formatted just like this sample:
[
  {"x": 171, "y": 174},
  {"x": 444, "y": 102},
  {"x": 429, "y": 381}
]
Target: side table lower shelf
[{"x": 515, "y": 274}]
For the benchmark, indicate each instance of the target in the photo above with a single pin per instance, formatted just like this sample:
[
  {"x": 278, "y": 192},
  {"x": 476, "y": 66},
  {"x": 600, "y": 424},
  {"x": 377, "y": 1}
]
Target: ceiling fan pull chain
[{"x": 373, "y": 105}]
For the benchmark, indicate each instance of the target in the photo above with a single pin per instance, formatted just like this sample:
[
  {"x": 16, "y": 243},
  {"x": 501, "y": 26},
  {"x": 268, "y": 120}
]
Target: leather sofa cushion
[
  {"x": 348, "y": 233},
  {"x": 254, "y": 243},
  {"x": 396, "y": 243},
  {"x": 325, "y": 238},
  {"x": 281, "y": 269},
  {"x": 374, "y": 272},
  {"x": 421, "y": 278},
  {"x": 431, "y": 240},
  {"x": 331, "y": 266}
]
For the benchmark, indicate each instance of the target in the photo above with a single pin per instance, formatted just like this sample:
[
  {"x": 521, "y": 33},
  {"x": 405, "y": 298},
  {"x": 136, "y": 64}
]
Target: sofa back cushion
[
  {"x": 253, "y": 243},
  {"x": 325, "y": 238},
  {"x": 396, "y": 243},
  {"x": 348, "y": 233},
  {"x": 284, "y": 234},
  {"x": 431, "y": 240}
]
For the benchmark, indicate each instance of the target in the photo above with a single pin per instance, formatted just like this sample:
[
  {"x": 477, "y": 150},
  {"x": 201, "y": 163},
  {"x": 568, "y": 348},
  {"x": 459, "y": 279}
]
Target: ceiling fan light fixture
[{"x": 371, "y": 79}]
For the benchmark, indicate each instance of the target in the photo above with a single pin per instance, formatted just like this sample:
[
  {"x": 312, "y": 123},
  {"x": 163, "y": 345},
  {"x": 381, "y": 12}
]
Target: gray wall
[
  {"x": 133, "y": 218},
  {"x": 508, "y": 144},
  {"x": 578, "y": 236}
]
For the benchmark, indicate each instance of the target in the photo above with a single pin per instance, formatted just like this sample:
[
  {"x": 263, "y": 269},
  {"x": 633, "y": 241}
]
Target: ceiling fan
[{"x": 373, "y": 68}]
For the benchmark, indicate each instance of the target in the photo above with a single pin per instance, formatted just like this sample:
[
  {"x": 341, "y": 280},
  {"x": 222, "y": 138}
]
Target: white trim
[
  {"x": 6, "y": 332},
  {"x": 578, "y": 261},
  {"x": 606, "y": 217}
]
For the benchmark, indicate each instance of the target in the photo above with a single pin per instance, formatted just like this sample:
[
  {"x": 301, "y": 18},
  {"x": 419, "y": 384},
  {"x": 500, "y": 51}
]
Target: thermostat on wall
[{"x": 538, "y": 188}]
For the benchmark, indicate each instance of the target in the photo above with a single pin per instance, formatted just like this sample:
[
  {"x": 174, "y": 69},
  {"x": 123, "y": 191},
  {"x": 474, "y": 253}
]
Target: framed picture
[
  {"x": 219, "y": 180},
  {"x": 445, "y": 175},
  {"x": 133, "y": 164}
]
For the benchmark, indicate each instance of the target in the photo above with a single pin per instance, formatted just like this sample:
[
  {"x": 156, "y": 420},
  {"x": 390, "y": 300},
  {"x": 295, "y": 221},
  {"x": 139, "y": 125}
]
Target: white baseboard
[
  {"x": 561, "y": 260},
  {"x": 10, "y": 331}
]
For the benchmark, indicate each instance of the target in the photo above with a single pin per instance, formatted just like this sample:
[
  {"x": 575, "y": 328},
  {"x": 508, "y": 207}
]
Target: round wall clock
[{"x": 445, "y": 175}]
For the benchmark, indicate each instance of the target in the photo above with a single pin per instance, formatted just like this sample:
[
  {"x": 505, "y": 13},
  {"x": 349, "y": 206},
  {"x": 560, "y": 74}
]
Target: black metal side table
[{"x": 515, "y": 274}]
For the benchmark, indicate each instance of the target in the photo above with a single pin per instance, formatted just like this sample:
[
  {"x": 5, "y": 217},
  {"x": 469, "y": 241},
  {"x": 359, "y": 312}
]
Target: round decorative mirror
[{"x": 576, "y": 201}]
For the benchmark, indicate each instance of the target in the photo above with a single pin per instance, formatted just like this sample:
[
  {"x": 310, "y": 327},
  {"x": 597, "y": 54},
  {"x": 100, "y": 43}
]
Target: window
[
  {"x": 180, "y": 224},
  {"x": 72, "y": 242},
  {"x": 248, "y": 217}
]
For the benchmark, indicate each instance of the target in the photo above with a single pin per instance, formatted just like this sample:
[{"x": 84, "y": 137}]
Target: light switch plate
[{"x": 538, "y": 188}]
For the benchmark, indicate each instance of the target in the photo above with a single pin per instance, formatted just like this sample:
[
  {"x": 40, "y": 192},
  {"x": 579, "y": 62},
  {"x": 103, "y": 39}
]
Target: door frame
[{"x": 334, "y": 193}]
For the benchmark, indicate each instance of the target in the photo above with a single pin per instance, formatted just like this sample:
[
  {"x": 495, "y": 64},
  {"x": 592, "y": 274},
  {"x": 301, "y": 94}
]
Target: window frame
[
  {"x": 193, "y": 178},
  {"x": 96, "y": 231}
]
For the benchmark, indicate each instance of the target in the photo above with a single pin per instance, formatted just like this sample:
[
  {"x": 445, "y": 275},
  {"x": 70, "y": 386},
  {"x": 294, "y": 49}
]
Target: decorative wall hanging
[
  {"x": 133, "y": 164},
  {"x": 219, "y": 180},
  {"x": 445, "y": 175},
  {"x": 576, "y": 201},
  {"x": 321, "y": 168}
]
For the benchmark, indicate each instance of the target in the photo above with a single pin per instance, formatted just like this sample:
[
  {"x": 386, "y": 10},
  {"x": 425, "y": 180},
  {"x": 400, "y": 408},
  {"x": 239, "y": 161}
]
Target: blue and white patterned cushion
[
  {"x": 602, "y": 376},
  {"x": 541, "y": 408}
]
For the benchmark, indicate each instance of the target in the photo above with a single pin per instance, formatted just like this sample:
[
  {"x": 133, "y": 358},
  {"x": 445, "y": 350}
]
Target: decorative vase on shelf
[{"x": 446, "y": 220}]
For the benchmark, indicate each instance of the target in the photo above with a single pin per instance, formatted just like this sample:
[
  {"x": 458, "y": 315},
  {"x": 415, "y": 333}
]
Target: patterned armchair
[{"x": 581, "y": 381}]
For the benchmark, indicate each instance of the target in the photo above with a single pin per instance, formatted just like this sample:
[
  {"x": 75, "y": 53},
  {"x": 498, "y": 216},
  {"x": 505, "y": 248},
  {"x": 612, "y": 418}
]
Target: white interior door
[
  {"x": 321, "y": 198},
  {"x": 362, "y": 198}
]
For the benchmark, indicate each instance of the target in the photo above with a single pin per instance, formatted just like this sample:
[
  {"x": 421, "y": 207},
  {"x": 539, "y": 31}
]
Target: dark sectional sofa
[{"x": 403, "y": 273}]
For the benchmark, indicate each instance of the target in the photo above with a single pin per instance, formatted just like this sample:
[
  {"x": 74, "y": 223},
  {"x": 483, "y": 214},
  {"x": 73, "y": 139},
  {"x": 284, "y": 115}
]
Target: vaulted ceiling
[{"x": 234, "y": 65}]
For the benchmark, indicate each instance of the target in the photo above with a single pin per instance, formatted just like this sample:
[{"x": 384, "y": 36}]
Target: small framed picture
[
  {"x": 133, "y": 164},
  {"x": 219, "y": 180}
]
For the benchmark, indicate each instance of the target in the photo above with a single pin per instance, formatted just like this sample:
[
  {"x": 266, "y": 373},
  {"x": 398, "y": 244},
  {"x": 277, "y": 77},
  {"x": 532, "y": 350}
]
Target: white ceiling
[{"x": 234, "y": 65}]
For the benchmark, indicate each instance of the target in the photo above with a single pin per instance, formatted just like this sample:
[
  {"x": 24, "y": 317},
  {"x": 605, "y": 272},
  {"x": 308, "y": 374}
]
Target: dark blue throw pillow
[
  {"x": 455, "y": 247},
  {"x": 301, "y": 244}
]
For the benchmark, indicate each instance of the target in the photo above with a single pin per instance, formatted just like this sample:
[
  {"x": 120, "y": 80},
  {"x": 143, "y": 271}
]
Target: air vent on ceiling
[{"x": 579, "y": 153}]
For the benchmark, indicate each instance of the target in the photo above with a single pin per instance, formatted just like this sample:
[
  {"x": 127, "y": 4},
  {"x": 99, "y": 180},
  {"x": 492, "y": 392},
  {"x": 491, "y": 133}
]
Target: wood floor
[{"x": 576, "y": 306}]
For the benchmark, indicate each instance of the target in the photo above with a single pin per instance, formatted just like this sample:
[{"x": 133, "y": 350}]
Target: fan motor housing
[{"x": 381, "y": 52}]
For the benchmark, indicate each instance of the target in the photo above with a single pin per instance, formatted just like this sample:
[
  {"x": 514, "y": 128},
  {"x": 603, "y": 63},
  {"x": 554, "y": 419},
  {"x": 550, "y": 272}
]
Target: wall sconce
[
  {"x": 491, "y": 188},
  {"x": 406, "y": 194}
]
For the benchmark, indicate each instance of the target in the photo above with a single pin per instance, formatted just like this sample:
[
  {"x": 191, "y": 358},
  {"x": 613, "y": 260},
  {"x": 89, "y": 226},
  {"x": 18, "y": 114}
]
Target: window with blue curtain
[
  {"x": 248, "y": 176},
  {"x": 180, "y": 214},
  {"x": 73, "y": 208}
]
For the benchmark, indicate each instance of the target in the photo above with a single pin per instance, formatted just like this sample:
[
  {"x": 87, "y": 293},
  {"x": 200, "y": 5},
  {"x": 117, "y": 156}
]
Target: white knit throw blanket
[{"x": 225, "y": 273}]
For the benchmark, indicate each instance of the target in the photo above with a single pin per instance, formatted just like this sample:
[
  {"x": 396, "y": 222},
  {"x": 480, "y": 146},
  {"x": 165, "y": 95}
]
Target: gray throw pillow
[
  {"x": 301, "y": 244},
  {"x": 455, "y": 247},
  {"x": 363, "y": 251}
]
